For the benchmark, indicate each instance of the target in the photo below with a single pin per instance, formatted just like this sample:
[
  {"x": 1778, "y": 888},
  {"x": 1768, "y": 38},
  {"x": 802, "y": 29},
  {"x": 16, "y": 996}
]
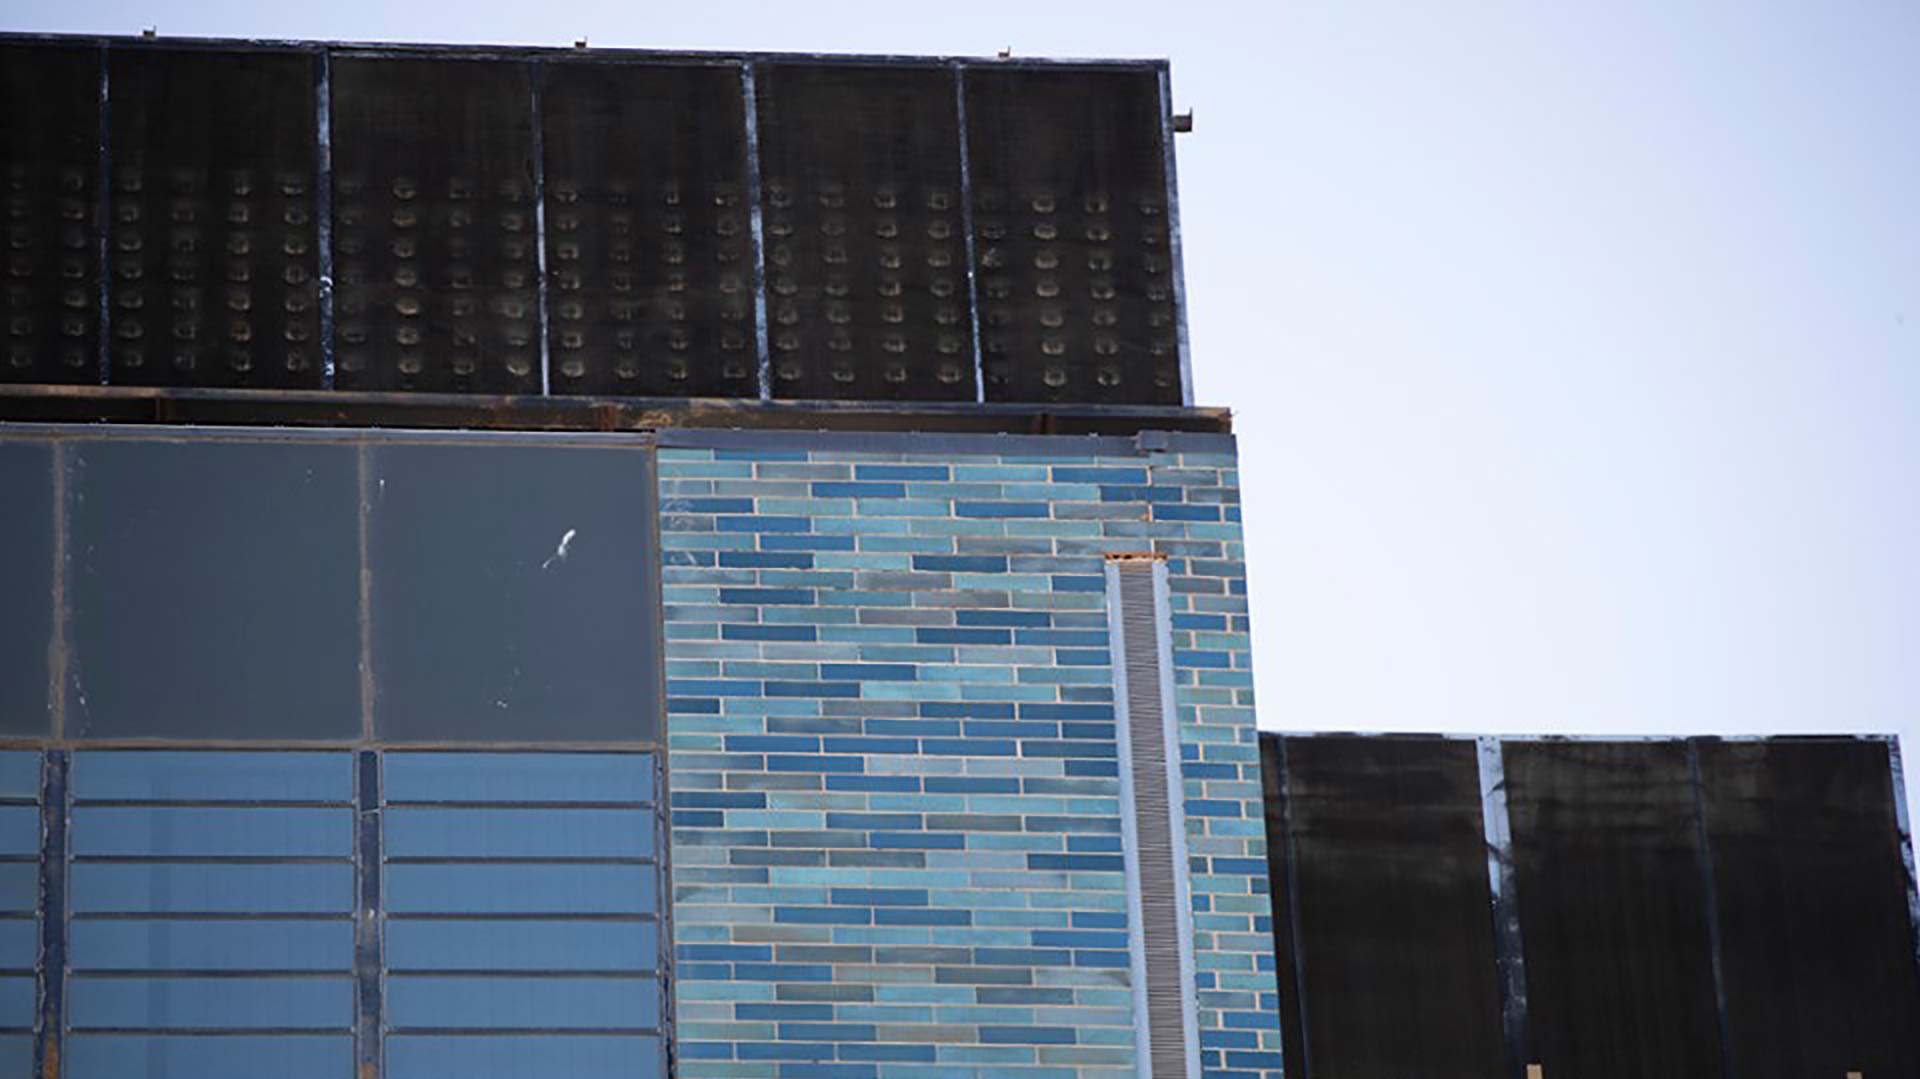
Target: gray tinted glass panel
[
  {"x": 26, "y": 579},
  {"x": 521, "y": 945},
  {"x": 213, "y": 776},
  {"x": 519, "y": 777},
  {"x": 225, "y": 945},
  {"x": 19, "y": 886},
  {"x": 17, "y": 998},
  {"x": 524, "y": 1003},
  {"x": 532, "y": 889},
  {"x": 173, "y": 832},
  {"x": 204, "y": 1003},
  {"x": 171, "y": 889},
  {"x": 19, "y": 830},
  {"x": 20, "y": 775},
  {"x": 516, "y": 833},
  {"x": 122, "y": 1056},
  {"x": 475, "y": 1057},
  {"x": 213, "y": 589},
  {"x": 512, "y": 594},
  {"x": 19, "y": 944}
]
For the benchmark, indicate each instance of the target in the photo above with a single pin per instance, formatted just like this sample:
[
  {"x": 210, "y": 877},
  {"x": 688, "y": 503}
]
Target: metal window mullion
[
  {"x": 1703, "y": 854},
  {"x": 323, "y": 207},
  {"x": 49, "y": 1040},
  {"x": 369, "y": 921},
  {"x": 1291, "y": 854},
  {"x": 750, "y": 108},
  {"x": 1509, "y": 950},
  {"x": 103, "y": 224},
  {"x": 966, "y": 233},
  {"x": 1174, "y": 264},
  {"x": 535, "y": 71},
  {"x": 1903, "y": 834}
]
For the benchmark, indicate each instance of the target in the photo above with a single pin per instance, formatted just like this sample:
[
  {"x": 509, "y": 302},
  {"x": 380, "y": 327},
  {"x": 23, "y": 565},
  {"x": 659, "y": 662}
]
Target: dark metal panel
[
  {"x": 213, "y": 244},
  {"x": 1613, "y": 911},
  {"x": 49, "y": 164},
  {"x": 865, "y": 264},
  {"x": 1394, "y": 902},
  {"x": 27, "y": 526},
  {"x": 213, "y": 590},
  {"x": 648, "y": 252},
  {"x": 434, "y": 226},
  {"x": 1281, "y": 884},
  {"x": 514, "y": 594},
  {"x": 1070, "y": 217},
  {"x": 1818, "y": 945}
]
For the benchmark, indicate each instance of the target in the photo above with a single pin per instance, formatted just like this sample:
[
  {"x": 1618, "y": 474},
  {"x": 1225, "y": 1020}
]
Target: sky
[{"x": 1574, "y": 348}]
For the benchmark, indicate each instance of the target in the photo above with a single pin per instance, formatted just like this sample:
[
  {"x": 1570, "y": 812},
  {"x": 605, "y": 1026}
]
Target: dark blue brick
[
  {"x": 1023, "y": 619},
  {"x": 1079, "y": 938},
  {"x": 1214, "y": 807},
  {"x": 711, "y": 687},
  {"x": 871, "y": 672},
  {"x": 1247, "y": 866},
  {"x": 1063, "y": 638},
  {"x": 1027, "y": 1036},
  {"x": 783, "y": 1050},
  {"x": 780, "y": 972},
  {"x": 962, "y": 563},
  {"x": 1199, "y": 621},
  {"x": 759, "y": 455},
  {"x": 969, "y": 747},
  {"x": 1099, "y": 919},
  {"x": 766, "y": 560},
  {"x": 734, "y": 631},
  {"x": 772, "y": 743},
  {"x": 971, "y": 785},
  {"x": 1187, "y": 658},
  {"x": 1093, "y": 768},
  {"x": 1093, "y": 844},
  {"x": 1081, "y": 748},
  {"x": 774, "y": 1013},
  {"x": 724, "y": 953},
  {"x": 1066, "y": 474},
  {"x": 768, "y": 596},
  {"x": 839, "y": 1069},
  {"x": 720, "y": 799},
  {"x": 823, "y": 915},
  {"x": 1020, "y": 957},
  {"x": 1070, "y": 582},
  {"x": 815, "y": 764},
  {"x": 1183, "y": 512},
  {"x": 912, "y": 728},
  {"x": 892, "y": 1052},
  {"x": 1097, "y": 730},
  {"x": 859, "y": 490},
  {"x": 1141, "y": 494},
  {"x": 1066, "y": 711},
  {"x": 1001, "y": 509},
  {"x": 834, "y": 1032},
  {"x": 879, "y": 897},
  {"x": 1110, "y": 960},
  {"x": 968, "y": 709},
  {"x": 871, "y": 745},
  {"x": 1229, "y": 1039},
  {"x": 944, "y": 635},
  {"x": 1078, "y": 863},
  {"x": 1082, "y": 657},
  {"x": 698, "y": 818},
  {"x": 693, "y": 706},
  {"x": 1006, "y": 728},
  {"x": 812, "y": 689}
]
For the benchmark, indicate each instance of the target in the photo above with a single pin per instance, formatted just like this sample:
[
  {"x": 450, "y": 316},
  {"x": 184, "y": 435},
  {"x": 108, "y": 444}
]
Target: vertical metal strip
[
  {"x": 1508, "y": 945},
  {"x": 966, "y": 232},
  {"x": 1296, "y": 937},
  {"x": 103, "y": 223},
  {"x": 363, "y": 467},
  {"x": 59, "y": 647},
  {"x": 368, "y": 921},
  {"x": 750, "y": 105},
  {"x": 1129, "y": 829},
  {"x": 49, "y": 1028},
  {"x": 535, "y": 71},
  {"x": 1903, "y": 825},
  {"x": 1703, "y": 853},
  {"x": 1177, "y": 818},
  {"x": 1133, "y": 815},
  {"x": 1175, "y": 266},
  {"x": 663, "y": 921},
  {"x": 323, "y": 206}
]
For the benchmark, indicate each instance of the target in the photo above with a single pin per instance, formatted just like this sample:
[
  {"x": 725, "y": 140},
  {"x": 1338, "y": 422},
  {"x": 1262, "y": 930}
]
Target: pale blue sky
[{"x": 1575, "y": 349}]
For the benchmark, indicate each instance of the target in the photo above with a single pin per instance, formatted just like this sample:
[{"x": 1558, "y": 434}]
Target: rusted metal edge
[{"x": 337, "y": 408}]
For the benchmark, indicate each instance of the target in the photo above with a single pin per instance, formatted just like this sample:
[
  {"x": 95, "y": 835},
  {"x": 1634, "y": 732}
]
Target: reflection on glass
[
  {"x": 529, "y": 889},
  {"x": 209, "y": 1003},
  {"x": 187, "y": 888},
  {"x": 521, "y": 944},
  {"x": 183, "y": 832},
  {"x": 519, "y": 833},
  {"x": 518, "y": 777},
  {"x": 523, "y": 1003},
  {"x": 517, "y": 1057},
  {"x": 122, "y": 1056},
  {"x": 211, "y": 776},
  {"x": 131, "y": 944}
]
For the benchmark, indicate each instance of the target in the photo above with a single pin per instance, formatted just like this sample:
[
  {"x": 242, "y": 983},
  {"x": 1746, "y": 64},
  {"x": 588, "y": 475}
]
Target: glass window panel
[
  {"x": 16, "y": 1054},
  {"x": 19, "y": 829},
  {"x": 519, "y": 777},
  {"x": 20, "y": 775},
  {"x": 519, "y": 833},
  {"x": 173, "y": 831},
  {"x": 531, "y": 889},
  {"x": 196, "y": 614},
  {"x": 524, "y": 1003},
  {"x": 508, "y": 1057},
  {"x": 19, "y": 886},
  {"x": 124, "y": 1056},
  {"x": 209, "y": 1003},
  {"x": 19, "y": 943},
  {"x": 212, "y": 776},
  {"x": 212, "y": 945},
  {"x": 514, "y": 593},
  {"x": 187, "y": 888},
  {"x": 26, "y": 572},
  {"x": 415, "y": 944},
  {"x": 19, "y": 997}
]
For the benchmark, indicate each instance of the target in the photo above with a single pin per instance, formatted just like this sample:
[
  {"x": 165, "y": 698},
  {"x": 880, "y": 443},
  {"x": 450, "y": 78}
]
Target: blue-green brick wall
[{"x": 896, "y": 843}]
